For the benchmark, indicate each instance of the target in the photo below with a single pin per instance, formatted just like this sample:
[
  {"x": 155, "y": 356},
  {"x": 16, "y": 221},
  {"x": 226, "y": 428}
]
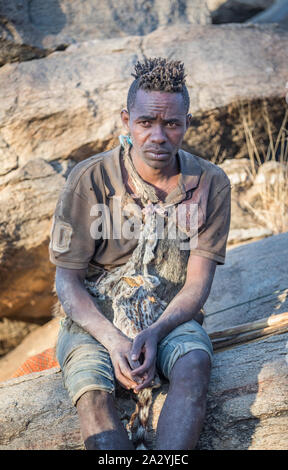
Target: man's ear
[
  {"x": 188, "y": 120},
  {"x": 125, "y": 118}
]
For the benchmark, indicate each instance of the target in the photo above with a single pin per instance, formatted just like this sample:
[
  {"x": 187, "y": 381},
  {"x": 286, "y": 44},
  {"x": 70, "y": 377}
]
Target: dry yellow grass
[{"x": 271, "y": 205}]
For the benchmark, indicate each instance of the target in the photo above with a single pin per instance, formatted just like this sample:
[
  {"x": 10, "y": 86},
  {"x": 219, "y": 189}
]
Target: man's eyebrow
[
  {"x": 153, "y": 118},
  {"x": 146, "y": 118}
]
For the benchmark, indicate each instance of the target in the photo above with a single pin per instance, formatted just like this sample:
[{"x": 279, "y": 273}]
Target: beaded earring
[{"x": 125, "y": 139}]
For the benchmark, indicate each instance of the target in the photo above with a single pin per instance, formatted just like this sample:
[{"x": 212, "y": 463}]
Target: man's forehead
[{"x": 158, "y": 102}]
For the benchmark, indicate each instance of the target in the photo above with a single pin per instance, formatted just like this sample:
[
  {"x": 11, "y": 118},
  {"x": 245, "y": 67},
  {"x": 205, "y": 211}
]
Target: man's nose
[{"x": 158, "y": 135}]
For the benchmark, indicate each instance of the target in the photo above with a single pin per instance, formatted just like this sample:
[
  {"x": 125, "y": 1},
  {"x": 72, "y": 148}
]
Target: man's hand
[
  {"x": 144, "y": 344},
  {"x": 123, "y": 363}
]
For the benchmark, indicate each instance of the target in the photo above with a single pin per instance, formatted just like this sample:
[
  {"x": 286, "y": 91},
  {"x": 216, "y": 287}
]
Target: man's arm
[
  {"x": 184, "y": 307},
  {"x": 83, "y": 309}
]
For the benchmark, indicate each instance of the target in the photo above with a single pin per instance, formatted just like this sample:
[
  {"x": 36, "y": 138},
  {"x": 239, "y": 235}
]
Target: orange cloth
[{"x": 45, "y": 360}]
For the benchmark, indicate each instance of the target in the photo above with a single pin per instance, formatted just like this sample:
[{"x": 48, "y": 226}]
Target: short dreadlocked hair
[{"x": 158, "y": 75}]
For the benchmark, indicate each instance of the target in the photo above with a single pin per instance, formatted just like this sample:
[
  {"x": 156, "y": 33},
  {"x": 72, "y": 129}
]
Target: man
[{"x": 91, "y": 350}]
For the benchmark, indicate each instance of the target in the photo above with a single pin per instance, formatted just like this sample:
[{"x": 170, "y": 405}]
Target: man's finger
[
  {"x": 136, "y": 348},
  {"x": 126, "y": 372},
  {"x": 146, "y": 382},
  {"x": 126, "y": 383},
  {"x": 132, "y": 364},
  {"x": 148, "y": 361}
]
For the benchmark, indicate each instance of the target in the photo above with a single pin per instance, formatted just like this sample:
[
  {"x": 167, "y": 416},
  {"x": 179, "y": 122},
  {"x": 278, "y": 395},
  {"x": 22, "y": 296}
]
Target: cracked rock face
[
  {"x": 27, "y": 204},
  {"x": 236, "y": 11},
  {"x": 35, "y": 28},
  {"x": 61, "y": 106}
]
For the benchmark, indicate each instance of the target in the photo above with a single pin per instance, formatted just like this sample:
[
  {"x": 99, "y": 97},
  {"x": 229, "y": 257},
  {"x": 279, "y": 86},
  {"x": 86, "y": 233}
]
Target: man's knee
[
  {"x": 192, "y": 371},
  {"x": 94, "y": 399}
]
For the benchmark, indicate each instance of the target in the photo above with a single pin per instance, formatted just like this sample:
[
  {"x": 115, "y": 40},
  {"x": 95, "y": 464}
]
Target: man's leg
[
  {"x": 182, "y": 415},
  {"x": 100, "y": 425}
]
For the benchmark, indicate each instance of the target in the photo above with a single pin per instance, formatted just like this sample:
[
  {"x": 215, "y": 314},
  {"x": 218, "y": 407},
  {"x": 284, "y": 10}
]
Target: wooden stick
[
  {"x": 246, "y": 337},
  {"x": 280, "y": 319}
]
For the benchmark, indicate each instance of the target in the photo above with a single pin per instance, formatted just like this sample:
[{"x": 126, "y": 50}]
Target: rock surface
[
  {"x": 277, "y": 13},
  {"x": 26, "y": 206},
  {"x": 12, "y": 333},
  {"x": 61, "y": 107},
  {"x": 255, "y": 279},
  {"x": 235, "y": 11},
  {"x": 34, "y": 28},
  {"x": 258, "y": 197},
  {"x": 247, "y": 404}
]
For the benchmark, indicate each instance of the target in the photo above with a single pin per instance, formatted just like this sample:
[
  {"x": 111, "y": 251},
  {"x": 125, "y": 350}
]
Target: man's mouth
[{"x": 157, "y": 153}]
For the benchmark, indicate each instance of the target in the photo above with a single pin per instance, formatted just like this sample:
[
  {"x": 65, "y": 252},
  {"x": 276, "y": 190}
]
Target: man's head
[{"x": 157, "y": 111}]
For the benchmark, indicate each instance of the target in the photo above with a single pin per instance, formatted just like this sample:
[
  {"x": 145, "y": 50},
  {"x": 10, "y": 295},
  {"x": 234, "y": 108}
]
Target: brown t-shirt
[{"x": 94, "y": 195}]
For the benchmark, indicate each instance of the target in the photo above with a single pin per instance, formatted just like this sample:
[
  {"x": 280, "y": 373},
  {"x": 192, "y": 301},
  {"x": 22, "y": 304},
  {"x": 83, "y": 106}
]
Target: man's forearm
[
  {"x": 185, "y": 305},
  {"x": 82, "y": 308}
]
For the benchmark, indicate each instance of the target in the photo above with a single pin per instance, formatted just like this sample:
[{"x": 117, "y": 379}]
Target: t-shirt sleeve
[
  {"x": 71, "y": 244},
  {"x": 212, "y": 240}
]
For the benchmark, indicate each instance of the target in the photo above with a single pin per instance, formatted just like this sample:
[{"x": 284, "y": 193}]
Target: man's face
[{"x": 157, "y": 123}]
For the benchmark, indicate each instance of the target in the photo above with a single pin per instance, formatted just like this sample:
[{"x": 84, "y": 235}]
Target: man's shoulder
[
  {"x": 209, "y": 170},
  {"x": 93, "y": 165}
]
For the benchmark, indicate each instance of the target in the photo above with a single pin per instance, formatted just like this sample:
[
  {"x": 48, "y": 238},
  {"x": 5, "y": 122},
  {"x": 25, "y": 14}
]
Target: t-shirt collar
[{"x": 190, "y": 173}]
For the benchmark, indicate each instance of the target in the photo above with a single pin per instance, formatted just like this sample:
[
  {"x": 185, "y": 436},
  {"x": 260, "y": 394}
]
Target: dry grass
[{"x": 270, "y": 207}]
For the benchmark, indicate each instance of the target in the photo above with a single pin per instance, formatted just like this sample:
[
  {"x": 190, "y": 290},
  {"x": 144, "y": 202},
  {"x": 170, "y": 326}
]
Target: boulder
[
  {"x": 247, "y": 404},
  {"x": 34, "y": 28},
  {"x": 250, "y": 285},
  {"x": 266, "y": 199},
  {"x": 61, "y": 106},
  {"x": 235, "y": 11},
  {"x": 12, "y": 332},
  {"x": 26, "y": 206},
  {"x": 277, "y": 13},
  {"x": 258, "y": 198},
  {"x": 239, "y": 172}
]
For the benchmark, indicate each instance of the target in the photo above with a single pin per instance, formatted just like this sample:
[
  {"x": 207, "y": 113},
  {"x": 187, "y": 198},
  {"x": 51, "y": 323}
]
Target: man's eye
[
  {"x": 145, "y": 123},
  {"x": 171, "y": 125}
]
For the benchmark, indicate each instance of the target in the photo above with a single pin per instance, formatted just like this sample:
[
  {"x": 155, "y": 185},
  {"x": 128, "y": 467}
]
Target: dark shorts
[{"x": 86, "y": 364}]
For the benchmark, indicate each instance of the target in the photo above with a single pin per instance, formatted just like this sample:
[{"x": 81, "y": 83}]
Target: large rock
[
  {"x": 259, "y": 205},
  {"x": 235, "y": 11},
  {"x": 34, "y": 28},
  {"x": 26, "y": 206},
  {"x": 68, "y": 105},
  {"x": 12, "y": 332},
  {"x": 251, "y": 285},
  {"x": 277, "y": 13},
  {"x": 247, "y": 404}
]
